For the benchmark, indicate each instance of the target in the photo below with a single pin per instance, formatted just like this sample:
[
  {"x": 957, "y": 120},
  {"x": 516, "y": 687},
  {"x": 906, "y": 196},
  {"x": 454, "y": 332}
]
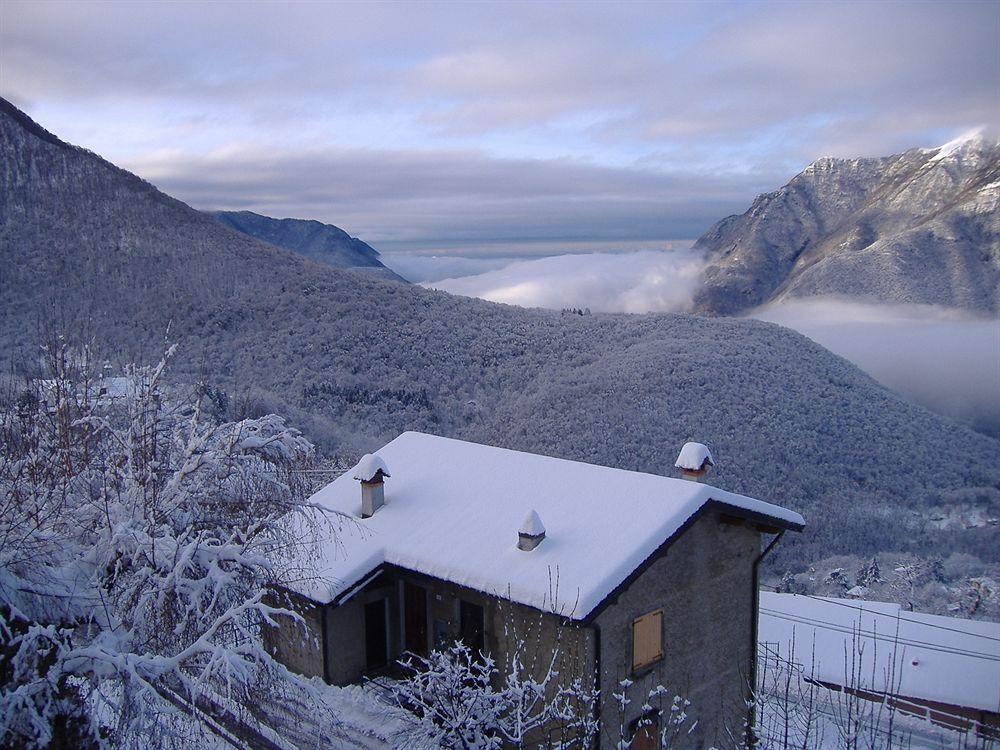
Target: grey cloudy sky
[{"x": 477, "y": 125}]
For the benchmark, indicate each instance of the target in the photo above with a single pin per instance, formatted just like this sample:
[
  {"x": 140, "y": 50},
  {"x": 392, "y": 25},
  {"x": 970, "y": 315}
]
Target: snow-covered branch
[{"x": 138, "y": 545}]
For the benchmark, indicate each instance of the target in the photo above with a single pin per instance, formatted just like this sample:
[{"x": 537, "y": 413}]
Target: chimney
[
  {"x": 531, "y": 533},
  {"x": 694, "y": 460},
  {"x": 371, "y": 471}
]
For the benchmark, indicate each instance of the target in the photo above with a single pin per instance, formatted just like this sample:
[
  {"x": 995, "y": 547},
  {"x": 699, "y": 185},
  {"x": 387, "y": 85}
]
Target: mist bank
[
  {"x": 631, "y": 282},
  {"x": 941, "y": 358}
]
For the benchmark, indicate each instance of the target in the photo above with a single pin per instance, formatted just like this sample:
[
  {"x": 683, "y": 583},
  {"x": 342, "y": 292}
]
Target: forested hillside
[
  {"x": 321, "y": 242},
  {"x": 95, "y": 251}
]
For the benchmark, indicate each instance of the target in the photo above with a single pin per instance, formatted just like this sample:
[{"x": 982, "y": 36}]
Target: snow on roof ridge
[
  {"x": 532, "y": 525},
  {"x": 370, "y": 465}
]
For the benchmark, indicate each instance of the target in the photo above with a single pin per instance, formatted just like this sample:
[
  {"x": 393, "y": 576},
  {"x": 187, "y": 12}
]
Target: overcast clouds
[{"x": 460, "y": 125}]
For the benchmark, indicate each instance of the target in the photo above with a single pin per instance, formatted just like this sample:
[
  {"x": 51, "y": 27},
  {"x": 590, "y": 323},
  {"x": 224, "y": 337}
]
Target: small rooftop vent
[
  {"x": 694, "y": 460},
  {"x": 371, "y": 471},
  {"x": 531, "y": 533}
]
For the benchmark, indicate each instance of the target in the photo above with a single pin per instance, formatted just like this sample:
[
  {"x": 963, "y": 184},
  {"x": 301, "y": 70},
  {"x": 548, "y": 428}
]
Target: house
[
  {"x": 629, "y": 575},
  {"x": 942, "y": 669}
]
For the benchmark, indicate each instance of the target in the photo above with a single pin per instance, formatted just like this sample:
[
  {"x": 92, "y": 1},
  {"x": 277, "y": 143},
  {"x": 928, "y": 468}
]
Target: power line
[
  {"x": 901, "y": 617},
  {"x": 802, "y": 620},
  {"x": 896, "y": 616}
]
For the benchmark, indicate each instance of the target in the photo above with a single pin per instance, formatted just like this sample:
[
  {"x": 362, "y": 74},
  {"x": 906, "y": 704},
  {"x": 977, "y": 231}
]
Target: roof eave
[{"x": 708, "y": 505}]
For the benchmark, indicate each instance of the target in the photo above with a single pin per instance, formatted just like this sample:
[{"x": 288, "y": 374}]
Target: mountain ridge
[
  {"x": 919, "y": 227},
  {"x": 324, "y": 243}
]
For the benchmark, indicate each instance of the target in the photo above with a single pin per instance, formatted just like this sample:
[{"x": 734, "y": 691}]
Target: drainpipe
[
  {"x": 324, "y": 626},
  {"x": 597, "y": 683},
  {"x": 751, "y": 735}
]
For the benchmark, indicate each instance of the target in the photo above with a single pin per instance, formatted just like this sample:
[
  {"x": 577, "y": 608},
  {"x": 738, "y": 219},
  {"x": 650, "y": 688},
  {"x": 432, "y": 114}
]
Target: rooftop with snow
[
  {"x": 880, "y": 647},
  {"x": 454, "y": 510}
]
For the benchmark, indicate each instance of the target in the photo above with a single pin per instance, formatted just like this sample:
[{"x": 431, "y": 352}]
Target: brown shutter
[{"x": 647, "y": 639}]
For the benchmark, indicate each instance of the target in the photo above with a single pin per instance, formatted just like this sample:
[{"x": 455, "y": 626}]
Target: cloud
[
  {"x": 420, "y": 268},
  {"x": 635, "y": 282},
  {"x": 716, "y": 90},
  {"x": 447, "y": 199},
  {"x": 941, "y": 358}
]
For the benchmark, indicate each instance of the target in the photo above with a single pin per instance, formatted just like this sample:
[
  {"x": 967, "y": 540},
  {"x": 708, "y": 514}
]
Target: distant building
[
  {"x": 100, "y": 391},
  {"x": 942, "y": 669},
  {"x": 633, "y": 575}
]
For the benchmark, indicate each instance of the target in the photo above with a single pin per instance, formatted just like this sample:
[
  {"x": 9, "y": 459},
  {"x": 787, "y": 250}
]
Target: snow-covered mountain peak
[
  {"x": 921, "y": 226},
  {"x": 969, "y": 141}
]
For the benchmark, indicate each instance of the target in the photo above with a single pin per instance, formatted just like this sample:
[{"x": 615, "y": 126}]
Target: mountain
[
  {"x": 918, "y": 227},
  {"x": 320, "y": 242},
  {"x": 91, "y": 250}
]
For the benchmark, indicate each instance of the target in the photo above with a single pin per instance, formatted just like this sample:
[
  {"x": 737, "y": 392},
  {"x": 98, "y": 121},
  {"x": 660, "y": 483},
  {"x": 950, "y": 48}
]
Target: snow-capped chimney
[
  {"x": 531, "y": 533},
  {"x": 694, "y": 460},
  {"x": 371, "y": 471}
]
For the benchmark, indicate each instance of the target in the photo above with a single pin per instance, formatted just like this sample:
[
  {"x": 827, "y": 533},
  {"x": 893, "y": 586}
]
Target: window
[
  {"x": 647, "y": 637},
  {"x": 414, "y": 618},
  {"x": 472, "y": 626}
]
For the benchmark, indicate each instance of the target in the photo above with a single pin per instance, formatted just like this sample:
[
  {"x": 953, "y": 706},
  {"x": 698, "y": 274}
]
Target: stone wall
[
  {"x": 297, "y": 645},
  {"x": 704, "y": 585}
]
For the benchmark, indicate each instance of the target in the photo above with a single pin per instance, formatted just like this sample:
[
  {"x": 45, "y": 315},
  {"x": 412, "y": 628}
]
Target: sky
[{"x": 509, "y": 128}]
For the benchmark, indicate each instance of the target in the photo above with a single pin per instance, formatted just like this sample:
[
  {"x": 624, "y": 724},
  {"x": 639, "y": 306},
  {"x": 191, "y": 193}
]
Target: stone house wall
[
  {"x": 297, "y": 645},
  {"x": 704, "y": 585}
]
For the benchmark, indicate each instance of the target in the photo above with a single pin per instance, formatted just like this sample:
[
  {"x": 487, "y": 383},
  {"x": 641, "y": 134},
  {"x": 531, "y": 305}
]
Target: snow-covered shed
[
  {"x": 627, "y": 571},
  {"x": 943, "y": 669}
]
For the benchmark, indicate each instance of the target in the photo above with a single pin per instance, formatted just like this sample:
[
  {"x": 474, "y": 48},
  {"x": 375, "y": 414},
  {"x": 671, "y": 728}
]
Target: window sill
[{"x": 645, "y": 669}]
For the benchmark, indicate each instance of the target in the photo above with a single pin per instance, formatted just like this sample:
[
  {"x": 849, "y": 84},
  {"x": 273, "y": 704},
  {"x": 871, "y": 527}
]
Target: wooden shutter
[{"x": 647, "y": 644}]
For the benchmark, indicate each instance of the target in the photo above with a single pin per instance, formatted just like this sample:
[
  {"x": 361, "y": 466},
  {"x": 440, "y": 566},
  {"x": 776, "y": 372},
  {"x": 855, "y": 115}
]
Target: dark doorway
[
  {"x": 472, "y": 626},
  {"x": 646, "y": 737},
  {"x": 414, "y": 618},
  {"x": 376, "y": 634}
]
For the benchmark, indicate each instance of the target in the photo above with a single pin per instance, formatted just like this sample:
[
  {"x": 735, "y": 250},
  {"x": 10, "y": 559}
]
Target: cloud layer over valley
[
  {"x": 940, "y": 358},
  {"x": 636, "y": 282}
]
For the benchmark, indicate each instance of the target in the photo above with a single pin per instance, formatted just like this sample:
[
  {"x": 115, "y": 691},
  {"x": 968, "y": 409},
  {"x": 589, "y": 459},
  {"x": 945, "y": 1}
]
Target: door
[
  {"x": 645, "y": 737},
  {"x": 414, "y": 618},
  {"x": 376, "y": 634}
]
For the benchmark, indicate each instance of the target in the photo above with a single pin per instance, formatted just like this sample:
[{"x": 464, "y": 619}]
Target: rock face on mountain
[
  {"x": 919, "y": 227},
  {"x": 324, "y": 243},
  {"x": 94, "y": 251}
]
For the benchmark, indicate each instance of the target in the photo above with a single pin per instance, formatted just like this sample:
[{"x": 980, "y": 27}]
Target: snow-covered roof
[
  {"x": 936, "y": 658},
  {"x": 370, "y": 465},
  {"x": 693, "y": 457},
  {"x": 601, "y": 523}
]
